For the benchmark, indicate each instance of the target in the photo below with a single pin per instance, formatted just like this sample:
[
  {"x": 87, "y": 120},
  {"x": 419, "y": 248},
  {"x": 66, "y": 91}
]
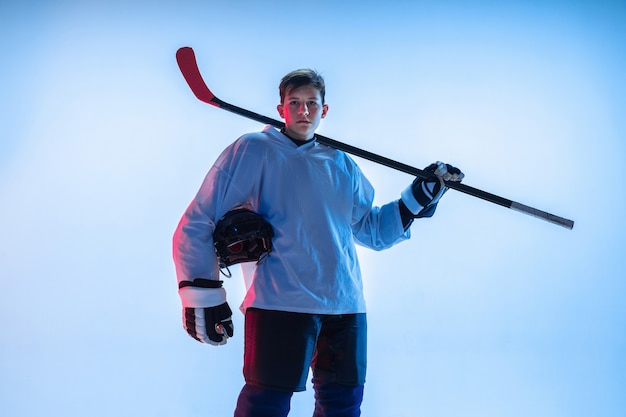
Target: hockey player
[{"x": 304, "y": 304}]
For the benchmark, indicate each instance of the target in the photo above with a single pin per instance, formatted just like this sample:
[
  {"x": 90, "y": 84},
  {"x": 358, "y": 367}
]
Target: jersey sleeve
[
  {"x": 375, "y": 227},
  {"x": 229, "y": 183}
]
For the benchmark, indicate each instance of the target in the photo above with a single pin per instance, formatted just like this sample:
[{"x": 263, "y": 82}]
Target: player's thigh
[{"x": 279, "y": 348}]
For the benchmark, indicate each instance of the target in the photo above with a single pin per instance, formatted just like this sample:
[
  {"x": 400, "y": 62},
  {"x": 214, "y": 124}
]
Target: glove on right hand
[
  {"x": 213, "y": 325},
  {"x": 207, "y": 316},
  {"x": 422, "y": 196}
]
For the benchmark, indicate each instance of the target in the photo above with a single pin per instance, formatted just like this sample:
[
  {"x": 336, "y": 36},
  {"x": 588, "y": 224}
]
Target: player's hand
[
  {"x": 207, "y": 316},
  {"x": 422, "y": 196},
  {"x": 212, "y": 325}
]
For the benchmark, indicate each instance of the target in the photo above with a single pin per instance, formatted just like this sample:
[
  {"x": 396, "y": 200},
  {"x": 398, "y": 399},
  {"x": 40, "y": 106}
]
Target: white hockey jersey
[{"x": 319, "y": 204}]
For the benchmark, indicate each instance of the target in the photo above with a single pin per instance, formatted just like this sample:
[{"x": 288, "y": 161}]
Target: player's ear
[
  {"x": 281, "y": 111},
  {"x": 324, "y": 110}
]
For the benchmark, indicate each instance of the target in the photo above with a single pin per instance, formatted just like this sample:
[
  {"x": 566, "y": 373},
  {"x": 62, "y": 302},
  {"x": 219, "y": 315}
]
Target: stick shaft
[{"x": 189, "y": 68}]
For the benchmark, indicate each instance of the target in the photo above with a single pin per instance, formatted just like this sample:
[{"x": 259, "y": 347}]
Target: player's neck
[{"x": 296, "y": 141}]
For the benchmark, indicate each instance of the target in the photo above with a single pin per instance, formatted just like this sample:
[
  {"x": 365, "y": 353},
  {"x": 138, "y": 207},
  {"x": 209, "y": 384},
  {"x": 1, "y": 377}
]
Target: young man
[{"x": 304, "y": 305}]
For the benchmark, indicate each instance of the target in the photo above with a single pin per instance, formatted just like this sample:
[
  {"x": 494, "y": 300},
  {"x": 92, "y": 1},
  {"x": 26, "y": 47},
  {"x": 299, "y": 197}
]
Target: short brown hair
[{"x": 300, "y": 78}]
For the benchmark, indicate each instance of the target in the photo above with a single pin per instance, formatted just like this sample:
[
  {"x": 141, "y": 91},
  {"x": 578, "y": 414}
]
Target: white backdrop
[{"x": 484, "y": 312}]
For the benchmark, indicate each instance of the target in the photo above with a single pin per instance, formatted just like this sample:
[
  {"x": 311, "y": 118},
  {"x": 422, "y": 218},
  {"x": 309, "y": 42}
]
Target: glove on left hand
[{"x": 422, "y": 196}]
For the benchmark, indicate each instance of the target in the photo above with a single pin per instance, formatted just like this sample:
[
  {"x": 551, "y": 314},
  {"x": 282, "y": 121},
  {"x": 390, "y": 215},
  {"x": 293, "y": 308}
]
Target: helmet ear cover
[{"x": 242, "y": 235}]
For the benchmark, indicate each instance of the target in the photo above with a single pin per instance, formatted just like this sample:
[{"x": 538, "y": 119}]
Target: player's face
[{"x": 302, "y": 110}]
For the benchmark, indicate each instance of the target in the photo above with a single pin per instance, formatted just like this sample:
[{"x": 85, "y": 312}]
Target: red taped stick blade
[{"x": 186, "y": 59}]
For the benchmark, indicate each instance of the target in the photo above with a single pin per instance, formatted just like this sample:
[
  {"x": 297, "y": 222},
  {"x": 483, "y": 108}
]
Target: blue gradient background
[{"x": 484, "y": 312}]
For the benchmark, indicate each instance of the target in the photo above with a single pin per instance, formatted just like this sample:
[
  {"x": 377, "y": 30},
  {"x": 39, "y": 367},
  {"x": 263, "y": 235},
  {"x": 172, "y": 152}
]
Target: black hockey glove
[
  {"x": 422, "y": 196},
  {"x": 207, "y": 317},
  {"x": 213, "y": 325}
]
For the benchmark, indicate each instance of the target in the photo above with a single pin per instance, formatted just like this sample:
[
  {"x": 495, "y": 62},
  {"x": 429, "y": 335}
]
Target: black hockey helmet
[{"x": 242, "y": 235}]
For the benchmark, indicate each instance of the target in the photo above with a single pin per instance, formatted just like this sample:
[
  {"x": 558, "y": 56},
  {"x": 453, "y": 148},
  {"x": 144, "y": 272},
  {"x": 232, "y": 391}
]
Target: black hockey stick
[{"x": 186, "y": 59}]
